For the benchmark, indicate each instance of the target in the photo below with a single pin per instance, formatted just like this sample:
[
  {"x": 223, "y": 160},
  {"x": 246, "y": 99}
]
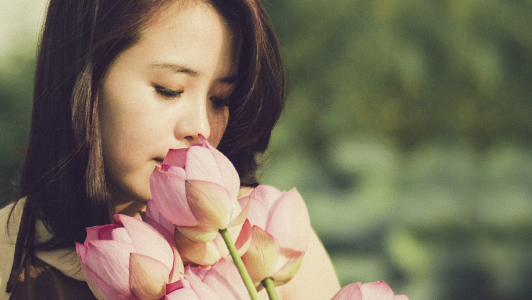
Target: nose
[{"x": 195, "y": 121}]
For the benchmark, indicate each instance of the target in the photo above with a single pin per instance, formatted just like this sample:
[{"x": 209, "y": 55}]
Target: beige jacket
[{"x": 65, "y": 260}]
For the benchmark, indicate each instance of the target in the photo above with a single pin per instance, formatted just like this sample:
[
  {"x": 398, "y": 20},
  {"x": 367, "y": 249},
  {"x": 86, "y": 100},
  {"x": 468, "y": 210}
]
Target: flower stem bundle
[{"x": 240, "y": 265}]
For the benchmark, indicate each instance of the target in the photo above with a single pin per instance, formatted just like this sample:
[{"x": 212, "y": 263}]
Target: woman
[{"x": 118, "y": 83}]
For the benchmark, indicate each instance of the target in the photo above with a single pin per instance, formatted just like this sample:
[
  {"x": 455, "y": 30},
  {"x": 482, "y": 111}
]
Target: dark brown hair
[{"x": 63, "y": 176}]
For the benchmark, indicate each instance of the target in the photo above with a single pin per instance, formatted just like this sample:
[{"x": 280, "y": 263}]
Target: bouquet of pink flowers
[{"x": 199, "y": 241}]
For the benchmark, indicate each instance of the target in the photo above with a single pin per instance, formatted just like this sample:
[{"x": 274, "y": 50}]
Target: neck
[
  {"x": 126, "y": 205},
  {"x": 131, "y": 208}
]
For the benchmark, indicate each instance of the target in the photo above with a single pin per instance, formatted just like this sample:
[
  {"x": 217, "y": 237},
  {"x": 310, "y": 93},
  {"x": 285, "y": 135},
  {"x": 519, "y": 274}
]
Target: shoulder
[
  {"x": 316, "y": 279},
  {"x": 39, "y": 280},
  {"x": 64, "y": 262},
  {"x": 8, "y": 236},
  {"x": 8, "y": 233}
]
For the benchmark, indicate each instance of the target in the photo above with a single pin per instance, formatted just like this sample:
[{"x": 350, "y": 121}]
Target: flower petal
[
  {"x": 244, "y": 238},
  {"x": 102, "y": 232},
  {"x": 287, "y": 266},
  {"x": 201, "y": 165},
  {"x": 378, "y": 290},
  {"x": 240, "y": 235},
  {"x": 267, "y": 194},
  {"x": 349, "y": 292},
  {"x": 203, "y": 291},
  {"x": 92, "y": 233},
  {"x": 147, "y": 241},
  {"x": 176, "y": 157},
  {"x": 209, "y": 202},
  {"x": 195, "y": 271},
  {"x": 178, "y": 268},
  {"x": 200, "y": 253},
  {"x": 182, "y": 294},
  {"x": 290, "y": 223},
  {"x": 114, "y": 233},
  {"x": 198, "y": 233},
  {"x": 224, "y": 279},
  {"x": 180, "y": 290},
  {"x": 228, "y": 171},
  {"x": 169, "y": 195},
  {"x": 110, "y": 261},
  {"x": 239, "y": 214},
  {"x": 258, "y": 211},
  {"x": 159, "y": 222},
  {"x": 102, "y": 289},
  {"x": 147, "y": 277},
  {"x": 262, "y": 255}
]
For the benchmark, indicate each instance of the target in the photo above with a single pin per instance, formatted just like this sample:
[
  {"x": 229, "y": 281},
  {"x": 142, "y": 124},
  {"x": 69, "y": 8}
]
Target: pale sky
[{"x": 20, "y": 23}]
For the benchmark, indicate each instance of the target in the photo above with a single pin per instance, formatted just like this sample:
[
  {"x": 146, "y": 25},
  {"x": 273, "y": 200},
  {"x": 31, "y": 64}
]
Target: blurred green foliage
[
  {"x": 410, "y": 70},
  {"x": 16, "y": 90},
  {"x": 407, "y": 130}
]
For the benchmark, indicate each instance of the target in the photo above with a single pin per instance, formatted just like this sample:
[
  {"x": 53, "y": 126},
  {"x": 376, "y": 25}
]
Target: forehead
[{"x": 190, "y": 31}]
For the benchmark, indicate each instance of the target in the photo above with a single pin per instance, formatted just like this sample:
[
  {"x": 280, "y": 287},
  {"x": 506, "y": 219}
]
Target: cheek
[
  {"x": 121, "y": 137},
  {"x": 121, "y": 117},
  {"x": 218, "y": 124}
]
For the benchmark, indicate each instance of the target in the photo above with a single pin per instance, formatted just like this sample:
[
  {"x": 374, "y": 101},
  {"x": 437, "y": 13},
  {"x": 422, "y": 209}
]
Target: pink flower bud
[
  {"x": 128, "y": 260},
  {"x": 190, "y": 288},
  {"x": 280, "y": 234},
  {"x": 223, "y": 278},
  {"x": 378, "y": 290},
  {"x": 196, "y": 189},
  {"x": 199, "y": 253}
]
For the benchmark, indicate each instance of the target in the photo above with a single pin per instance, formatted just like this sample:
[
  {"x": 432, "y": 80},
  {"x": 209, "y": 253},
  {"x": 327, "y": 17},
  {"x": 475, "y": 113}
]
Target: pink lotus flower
[
  {"x": 128, "y": 260},
  {"x": 378, "y": 290},
  {"x": 199, "y": 253},
  {"x": 223, "y": 278},
  {"x": 280, "y": 234},
  {"x": 190, "y": 288},
  {"x": 220, "y": 282},
  {"x": 196, "y": 189}
]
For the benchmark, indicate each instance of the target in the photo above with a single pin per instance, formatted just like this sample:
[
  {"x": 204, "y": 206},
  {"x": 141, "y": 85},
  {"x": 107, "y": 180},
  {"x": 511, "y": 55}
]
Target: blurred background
[{"x": 407, "y": 130}]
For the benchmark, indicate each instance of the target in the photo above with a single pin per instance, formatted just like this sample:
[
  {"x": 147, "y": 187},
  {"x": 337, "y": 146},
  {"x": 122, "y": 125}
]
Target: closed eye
[
  {"x": 218, "y": 102},
  {"x": 167, "y": 93}
]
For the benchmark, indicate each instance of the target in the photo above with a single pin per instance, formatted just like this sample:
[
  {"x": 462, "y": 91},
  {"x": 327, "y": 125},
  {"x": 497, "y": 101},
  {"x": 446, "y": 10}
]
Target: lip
[{"x": 159, "y": 161}]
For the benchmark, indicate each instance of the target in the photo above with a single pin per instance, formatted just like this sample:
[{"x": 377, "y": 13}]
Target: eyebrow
[{"x": 177, "y": 68}]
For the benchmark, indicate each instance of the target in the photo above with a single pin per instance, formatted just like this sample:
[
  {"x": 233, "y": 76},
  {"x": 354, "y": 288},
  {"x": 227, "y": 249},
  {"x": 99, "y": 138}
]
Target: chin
[
  {"x": 142, "y": 196},
  {"x": 130, "y": 192}
]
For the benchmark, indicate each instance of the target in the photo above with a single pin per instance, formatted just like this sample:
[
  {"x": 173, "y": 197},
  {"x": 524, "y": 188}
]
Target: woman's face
[{"x": 164, "y": 91}]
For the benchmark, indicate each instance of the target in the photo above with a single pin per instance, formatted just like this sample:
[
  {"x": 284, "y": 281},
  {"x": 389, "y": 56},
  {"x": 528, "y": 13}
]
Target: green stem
[
  {"x": 270, "y": 288},
  {"x": 239, "y": 265}
]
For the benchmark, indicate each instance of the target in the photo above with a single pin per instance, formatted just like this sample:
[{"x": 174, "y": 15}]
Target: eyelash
[
  {"x": 217, "y": 102},
  {"x": 167, "y": 93}
]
